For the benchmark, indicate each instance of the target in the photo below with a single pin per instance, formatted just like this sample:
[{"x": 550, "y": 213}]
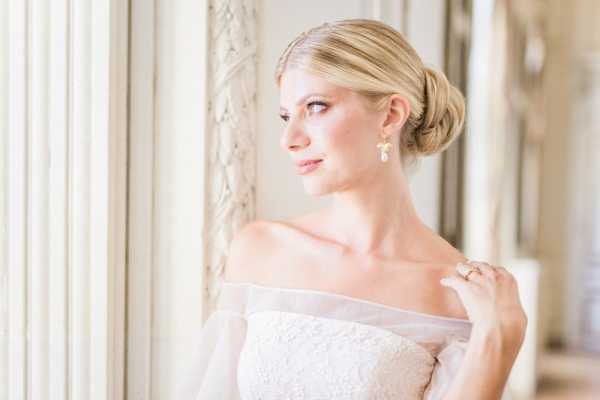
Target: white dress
[{"x": 266, "y": 343}]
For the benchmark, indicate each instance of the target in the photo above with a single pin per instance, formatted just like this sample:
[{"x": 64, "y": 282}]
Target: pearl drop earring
[{"x": 384, "y": 147}]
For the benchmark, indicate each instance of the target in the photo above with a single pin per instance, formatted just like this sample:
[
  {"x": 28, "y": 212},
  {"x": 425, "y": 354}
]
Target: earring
[{"x": 384, "y": 147}]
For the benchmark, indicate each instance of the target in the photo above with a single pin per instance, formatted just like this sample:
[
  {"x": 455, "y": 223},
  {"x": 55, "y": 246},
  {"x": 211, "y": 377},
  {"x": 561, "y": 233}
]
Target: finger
[
  {"x": 503, "y": 271},
  {"x": 463, "y": 268},
  {"x": 456, "y": 282},
  {"x": 486, "y": 269}
]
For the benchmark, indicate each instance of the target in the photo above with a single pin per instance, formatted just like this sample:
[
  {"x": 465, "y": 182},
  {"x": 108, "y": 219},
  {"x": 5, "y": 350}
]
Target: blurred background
[{"x": 139, "y": 136}]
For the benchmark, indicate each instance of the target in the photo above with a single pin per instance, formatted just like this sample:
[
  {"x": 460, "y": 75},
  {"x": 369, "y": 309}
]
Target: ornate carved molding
[{"x": 231, "y": 131}]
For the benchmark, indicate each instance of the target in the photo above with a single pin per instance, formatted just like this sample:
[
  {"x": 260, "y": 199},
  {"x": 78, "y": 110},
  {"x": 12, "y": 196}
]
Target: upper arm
[{"x": 246, "y": 252}]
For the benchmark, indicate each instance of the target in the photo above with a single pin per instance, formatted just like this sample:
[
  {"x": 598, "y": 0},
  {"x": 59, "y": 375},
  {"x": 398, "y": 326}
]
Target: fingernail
[{"x": 444, "y": 281}]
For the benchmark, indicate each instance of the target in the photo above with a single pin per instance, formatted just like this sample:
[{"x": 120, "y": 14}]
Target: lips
[
  {"x": 307, "y": 162},
  {"x": 308, "y": 166}
]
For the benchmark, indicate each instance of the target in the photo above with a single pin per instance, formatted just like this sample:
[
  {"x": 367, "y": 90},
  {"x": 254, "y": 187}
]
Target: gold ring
[
  {"x": 467, "y": 274},
  {"x": 464, "y": 270}
]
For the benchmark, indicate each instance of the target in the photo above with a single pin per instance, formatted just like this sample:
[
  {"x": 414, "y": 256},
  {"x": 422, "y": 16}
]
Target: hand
[{"x": 491, "y": 300}]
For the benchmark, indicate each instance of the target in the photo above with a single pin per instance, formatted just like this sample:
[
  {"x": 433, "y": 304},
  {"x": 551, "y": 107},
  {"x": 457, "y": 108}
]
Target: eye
[
  {"x": 316, "y": 104},
  {"x": 310, "y": 106}
]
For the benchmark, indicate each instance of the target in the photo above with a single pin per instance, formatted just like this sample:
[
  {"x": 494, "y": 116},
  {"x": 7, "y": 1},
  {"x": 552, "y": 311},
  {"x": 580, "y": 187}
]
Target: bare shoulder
[
  {"x": 248, "y": 251},
  {"x": 259, "y": 251}
]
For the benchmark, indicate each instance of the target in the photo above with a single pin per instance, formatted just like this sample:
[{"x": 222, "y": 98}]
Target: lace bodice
[
  {"x": 283, "y": 343},
  {"x": 286, "y": 354}
]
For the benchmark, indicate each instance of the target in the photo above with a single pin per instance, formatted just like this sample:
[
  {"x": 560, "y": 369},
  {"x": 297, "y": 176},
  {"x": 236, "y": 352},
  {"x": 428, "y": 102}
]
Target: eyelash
[{"x": 320, "y": 103}]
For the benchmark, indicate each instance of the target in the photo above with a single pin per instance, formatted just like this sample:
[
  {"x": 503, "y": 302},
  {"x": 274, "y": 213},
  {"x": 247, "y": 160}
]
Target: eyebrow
[{"x": 303, "y": 98}]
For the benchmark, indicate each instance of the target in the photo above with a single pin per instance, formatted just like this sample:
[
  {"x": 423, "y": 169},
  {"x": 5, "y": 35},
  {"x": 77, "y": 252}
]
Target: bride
[{"x": 359, "y": 300}]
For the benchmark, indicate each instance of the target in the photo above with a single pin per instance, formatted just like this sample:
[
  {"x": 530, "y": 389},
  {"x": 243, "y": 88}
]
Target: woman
[{"x": 360, "y": 300}]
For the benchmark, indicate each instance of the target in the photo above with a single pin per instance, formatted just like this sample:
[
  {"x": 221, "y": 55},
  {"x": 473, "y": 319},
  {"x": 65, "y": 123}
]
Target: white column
[
  {"x": 142, "y": 132},
  {"x": 58, "y": 130},
  {"x": 4, "y": 40},
  {"x": 63, "y": 67},
  {"x": 479, "y": 151},
  {"x": 37, "y": 241},
  {"x": 79, "y": 198},
  {"x": 16, "y": 183}
]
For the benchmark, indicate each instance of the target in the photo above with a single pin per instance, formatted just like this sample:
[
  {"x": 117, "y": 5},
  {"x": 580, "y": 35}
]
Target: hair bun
[{"x": 443, "y": 114}]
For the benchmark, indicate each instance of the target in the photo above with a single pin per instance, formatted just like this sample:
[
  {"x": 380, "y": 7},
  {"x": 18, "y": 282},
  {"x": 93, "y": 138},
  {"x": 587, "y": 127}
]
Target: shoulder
[
  {"x": 258, "y": 249},
  {"x": 253, "y": 250},
  {"x": 247, "y": 251}
]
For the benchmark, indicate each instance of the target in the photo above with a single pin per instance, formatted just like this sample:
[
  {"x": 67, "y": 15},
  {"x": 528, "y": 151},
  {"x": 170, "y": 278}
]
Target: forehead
[{"x": 297, "y": 83}]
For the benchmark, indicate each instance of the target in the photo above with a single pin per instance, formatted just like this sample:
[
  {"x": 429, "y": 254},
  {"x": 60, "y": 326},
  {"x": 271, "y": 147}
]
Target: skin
[
  {"x": 366, "y": 193},
  {"x": 499, "y": 323},
  {"x": 371, "y": 238},
  {"x": 372, "y": 216},
  {"x": 372, "y": 229}
]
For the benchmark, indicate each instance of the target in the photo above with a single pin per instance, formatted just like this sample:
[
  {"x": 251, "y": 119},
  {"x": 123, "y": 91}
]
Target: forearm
[{"x": 484, "y": 369}]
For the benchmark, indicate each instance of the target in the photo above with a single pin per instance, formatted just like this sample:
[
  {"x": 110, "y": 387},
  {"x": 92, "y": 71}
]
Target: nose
[{"x": 294, "y": 138}]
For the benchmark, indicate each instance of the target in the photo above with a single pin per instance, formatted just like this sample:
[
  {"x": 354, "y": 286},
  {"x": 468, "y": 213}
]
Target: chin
[{"x": 316, "y": 190}]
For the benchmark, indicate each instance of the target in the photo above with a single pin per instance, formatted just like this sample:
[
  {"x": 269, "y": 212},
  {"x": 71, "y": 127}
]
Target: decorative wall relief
[{"x": 230, "y": 135}]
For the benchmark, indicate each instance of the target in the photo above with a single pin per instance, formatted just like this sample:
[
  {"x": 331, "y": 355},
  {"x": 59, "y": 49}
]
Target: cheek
[{"x": 349, "y": 138}]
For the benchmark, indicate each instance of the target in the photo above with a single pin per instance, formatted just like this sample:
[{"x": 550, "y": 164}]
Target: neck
[{"x": 376, "y": 217}]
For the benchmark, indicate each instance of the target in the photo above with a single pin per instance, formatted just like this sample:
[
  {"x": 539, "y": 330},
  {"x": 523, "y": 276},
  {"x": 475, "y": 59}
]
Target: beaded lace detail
[{"x": 290, "y": 355}]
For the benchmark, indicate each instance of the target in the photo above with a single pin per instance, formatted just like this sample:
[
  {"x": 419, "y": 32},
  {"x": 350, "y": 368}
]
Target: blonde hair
[{"x": 376, "y": 61}]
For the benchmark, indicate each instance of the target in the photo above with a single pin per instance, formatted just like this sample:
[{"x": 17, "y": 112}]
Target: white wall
[
  {"x": 166, "y": 187},
  {"x": 280, "y": 193}
]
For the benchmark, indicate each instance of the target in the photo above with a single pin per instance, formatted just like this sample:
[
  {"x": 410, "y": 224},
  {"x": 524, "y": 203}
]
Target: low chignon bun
[{"x": 442, "y": 117}]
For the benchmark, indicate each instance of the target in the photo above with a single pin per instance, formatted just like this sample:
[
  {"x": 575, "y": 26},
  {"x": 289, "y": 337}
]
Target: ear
[{"x": 397, "y": 111}]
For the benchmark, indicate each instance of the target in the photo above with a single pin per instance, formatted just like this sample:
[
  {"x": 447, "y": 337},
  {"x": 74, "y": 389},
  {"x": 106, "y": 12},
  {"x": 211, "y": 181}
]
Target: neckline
[
  {"x": 365, "y": 326},
  {"x": 350, "y": 298}
]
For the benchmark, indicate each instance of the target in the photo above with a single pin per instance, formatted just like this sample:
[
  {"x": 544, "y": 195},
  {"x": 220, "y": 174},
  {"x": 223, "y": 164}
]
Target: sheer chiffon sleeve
[
  {"x": 448, "y": 362},
  {"x": 211, "y": 371}
]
